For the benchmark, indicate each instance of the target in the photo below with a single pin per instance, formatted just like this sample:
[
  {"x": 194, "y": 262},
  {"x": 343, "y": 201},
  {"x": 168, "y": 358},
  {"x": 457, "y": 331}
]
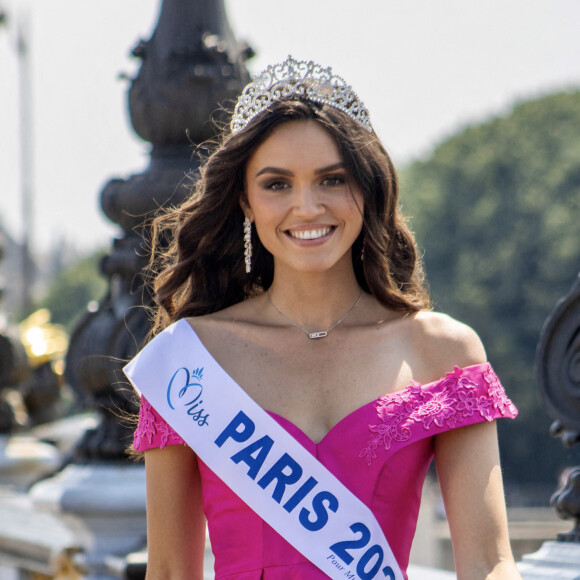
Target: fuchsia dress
[{"x": 381, "y": 452}]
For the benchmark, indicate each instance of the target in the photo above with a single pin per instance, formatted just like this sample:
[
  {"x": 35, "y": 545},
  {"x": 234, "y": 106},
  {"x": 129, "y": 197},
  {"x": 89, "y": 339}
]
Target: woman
[{"x": 296, "y": 271}]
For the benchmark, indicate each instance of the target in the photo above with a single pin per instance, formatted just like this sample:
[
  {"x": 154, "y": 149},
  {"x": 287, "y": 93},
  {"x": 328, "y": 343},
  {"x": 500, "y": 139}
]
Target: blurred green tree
[
  {"x": 496, "y": 210},
  {"x": 72, "y": 289}
]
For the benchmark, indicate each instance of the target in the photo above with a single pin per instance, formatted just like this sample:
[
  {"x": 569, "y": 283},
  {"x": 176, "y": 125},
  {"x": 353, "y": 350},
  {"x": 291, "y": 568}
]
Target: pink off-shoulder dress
[{"x": 381, "y": 452}]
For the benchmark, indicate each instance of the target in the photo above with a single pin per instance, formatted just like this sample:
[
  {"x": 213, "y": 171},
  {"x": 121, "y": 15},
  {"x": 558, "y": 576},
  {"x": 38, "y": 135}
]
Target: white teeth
[{"x": 310, "y": 234}]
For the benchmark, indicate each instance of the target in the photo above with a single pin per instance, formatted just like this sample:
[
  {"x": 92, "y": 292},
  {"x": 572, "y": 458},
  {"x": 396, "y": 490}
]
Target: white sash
[{"x": 258, "y": 459}]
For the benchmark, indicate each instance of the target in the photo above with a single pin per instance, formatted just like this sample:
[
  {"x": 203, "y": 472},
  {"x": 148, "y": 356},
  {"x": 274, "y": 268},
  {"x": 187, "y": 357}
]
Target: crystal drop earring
[{"x": 248, "y": 244}]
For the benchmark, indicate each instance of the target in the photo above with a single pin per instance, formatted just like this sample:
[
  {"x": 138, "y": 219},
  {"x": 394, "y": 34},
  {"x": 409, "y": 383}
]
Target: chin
[{"x": 318, "y": 266}]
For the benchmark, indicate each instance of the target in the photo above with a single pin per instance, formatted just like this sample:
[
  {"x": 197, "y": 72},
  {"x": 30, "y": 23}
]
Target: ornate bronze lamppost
[
  {"x": 558, "y": 370},
  {"x": 190, "y": 66},
  {"x": 558, "y": 373}
]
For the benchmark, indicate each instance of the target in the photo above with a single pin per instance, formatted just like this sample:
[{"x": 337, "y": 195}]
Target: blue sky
[{"x": 423, "y": 68}]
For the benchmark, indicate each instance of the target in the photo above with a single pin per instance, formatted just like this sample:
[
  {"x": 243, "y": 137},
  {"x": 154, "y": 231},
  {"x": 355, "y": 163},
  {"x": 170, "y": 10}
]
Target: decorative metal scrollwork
[
  {"x": 566, "y": 502},
  {"x": 558, "y": 367}
]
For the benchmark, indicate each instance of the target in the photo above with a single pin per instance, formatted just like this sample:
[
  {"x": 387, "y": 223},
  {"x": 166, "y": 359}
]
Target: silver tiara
[{"x": 298, "y": 78}]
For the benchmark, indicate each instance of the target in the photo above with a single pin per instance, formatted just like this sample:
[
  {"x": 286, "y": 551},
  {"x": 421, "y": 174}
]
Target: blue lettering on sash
[
  {"x": 190, "y": 381},
  {"x": 285, "y": 472},
  {"x": 231, "y": 431},
  {"x": 304, "y": 490},
  {"x": 276, "y": 472},
  {"x": 320, "y": 510},
  {"x": 262, "y": 446}
]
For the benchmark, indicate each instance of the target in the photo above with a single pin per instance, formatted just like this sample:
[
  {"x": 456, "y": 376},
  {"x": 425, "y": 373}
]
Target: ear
[{"x": 246, "y": 208}]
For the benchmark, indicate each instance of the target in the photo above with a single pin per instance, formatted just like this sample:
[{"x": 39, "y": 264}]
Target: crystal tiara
[{"x": 298, "y": 78}]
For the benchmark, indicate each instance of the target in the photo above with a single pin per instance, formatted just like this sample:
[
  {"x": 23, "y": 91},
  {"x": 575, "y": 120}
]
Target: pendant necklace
[{"x": 320, "y": 333}]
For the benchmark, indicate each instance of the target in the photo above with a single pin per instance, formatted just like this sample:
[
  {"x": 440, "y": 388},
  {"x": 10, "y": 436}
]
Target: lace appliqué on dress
[
  {"x": 152, "y": 430},
  {"x": 450, "y": 404}
]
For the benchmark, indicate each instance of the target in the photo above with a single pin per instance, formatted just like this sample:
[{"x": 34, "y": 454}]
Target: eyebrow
[
  {"x": 280, "y": 171},
  {"x": 333, "y": 167},
  {"x": 277, "y": 170}
]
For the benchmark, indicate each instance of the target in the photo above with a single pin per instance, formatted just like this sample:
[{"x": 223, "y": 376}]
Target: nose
[{"x": 308, "y": 202}]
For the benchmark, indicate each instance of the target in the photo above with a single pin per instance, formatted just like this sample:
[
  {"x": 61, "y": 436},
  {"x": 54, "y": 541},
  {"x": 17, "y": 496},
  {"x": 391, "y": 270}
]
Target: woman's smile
[{"x": 311, "y": 234}]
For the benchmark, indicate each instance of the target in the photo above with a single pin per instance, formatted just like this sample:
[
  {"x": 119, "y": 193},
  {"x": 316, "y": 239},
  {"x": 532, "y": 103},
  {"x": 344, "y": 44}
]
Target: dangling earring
[
  {"x": 362, "y": 252},
  {"x": 248, "y": 244}
]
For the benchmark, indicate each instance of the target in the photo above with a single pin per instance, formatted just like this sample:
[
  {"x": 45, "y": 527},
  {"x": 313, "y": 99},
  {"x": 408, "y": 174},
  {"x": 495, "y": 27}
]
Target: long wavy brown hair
[{"x": 197, "y": 262}]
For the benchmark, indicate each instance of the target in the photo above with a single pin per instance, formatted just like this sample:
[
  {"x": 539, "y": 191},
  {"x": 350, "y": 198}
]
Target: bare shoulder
[
  {"x": 223, "y": 323},
  {"x": 445, "y": 342}
]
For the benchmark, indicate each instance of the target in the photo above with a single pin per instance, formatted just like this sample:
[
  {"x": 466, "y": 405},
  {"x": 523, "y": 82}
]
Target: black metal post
[
  {"x": 190, "y": 65},
  {"x": 558, "y": 373}
]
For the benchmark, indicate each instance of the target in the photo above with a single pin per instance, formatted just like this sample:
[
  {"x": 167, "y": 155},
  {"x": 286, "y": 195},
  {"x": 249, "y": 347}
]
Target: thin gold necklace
[{"x": 320, "y": 333}]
